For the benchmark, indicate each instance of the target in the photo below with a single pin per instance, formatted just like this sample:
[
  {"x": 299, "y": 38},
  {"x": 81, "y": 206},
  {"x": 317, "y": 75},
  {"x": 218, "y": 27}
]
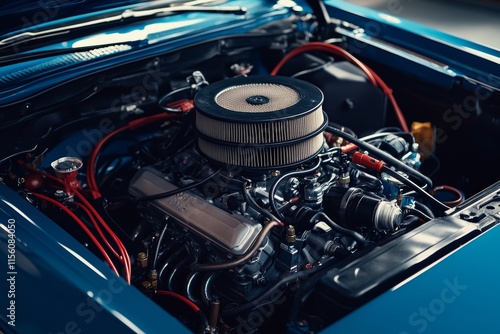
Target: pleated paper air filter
[{"x": 260, "y": 121}]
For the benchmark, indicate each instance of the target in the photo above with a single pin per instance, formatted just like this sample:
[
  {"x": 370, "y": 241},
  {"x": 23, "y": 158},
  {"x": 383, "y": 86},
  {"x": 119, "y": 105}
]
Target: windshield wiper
[{"x": 129, "y": 14}]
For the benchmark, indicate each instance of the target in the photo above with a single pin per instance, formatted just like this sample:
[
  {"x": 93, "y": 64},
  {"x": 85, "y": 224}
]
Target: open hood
[
  {"x": 249, "y": 167},
  {"x": 19, "y": 15},
  {"x": 440, "y": 50},
  {"x": 443, "y": 41}
]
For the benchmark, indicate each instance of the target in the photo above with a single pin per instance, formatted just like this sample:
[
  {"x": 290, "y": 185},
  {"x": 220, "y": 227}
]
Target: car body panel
[
  {"x": 67, "y": 274},
  {"x": 24, "y": 15},
  {"x": 74, "y": 290},
  {"x": 455, "y": 295},
  {"x": 447, "y": 58},
  {"x": 132, "y": 42}
]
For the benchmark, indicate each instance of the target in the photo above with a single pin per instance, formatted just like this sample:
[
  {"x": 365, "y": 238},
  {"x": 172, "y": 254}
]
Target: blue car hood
[
  {"x": 18, "y": 15},
  {"x": 447, "y": 55},
  {"x": 437, "y": 54}
]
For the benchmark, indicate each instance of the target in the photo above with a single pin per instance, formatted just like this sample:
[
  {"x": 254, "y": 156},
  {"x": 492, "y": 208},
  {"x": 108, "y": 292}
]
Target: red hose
[
  {"x": 91, "y": 180},
  {"x": 97, "y": 227},
  {"x": 83, "y": 226},
  {"x": 371, "y": 75},
  {"x": 445, "y": 188},
  {"x": 188, "y": 302},
  {"x": 125, "y": 258}
]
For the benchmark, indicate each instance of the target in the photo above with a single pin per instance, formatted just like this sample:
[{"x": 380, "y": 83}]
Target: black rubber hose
[
  {"x": 251, "y": 201},
  {"x": 274, "y": 187},
  {"x": 437, "y": 204},
  {"x": 382, "y": 155},
  {"x": 339, "y": 229},
  {"x": 424, "y": 208},
  {"x": 371, "y": 180},
  {"x": 230, "y": 264},
  {"x": 380, "y": 135},
  {"x": 418, "y": 213}
]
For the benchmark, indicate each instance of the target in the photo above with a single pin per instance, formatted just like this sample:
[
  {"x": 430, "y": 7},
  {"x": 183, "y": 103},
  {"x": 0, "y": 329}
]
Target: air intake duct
[{"x": 260, "y": 122}]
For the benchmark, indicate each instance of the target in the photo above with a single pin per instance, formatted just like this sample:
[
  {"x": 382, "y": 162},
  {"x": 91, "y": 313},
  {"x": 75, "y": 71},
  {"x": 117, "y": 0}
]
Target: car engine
[{"x": 247, "y": 202}]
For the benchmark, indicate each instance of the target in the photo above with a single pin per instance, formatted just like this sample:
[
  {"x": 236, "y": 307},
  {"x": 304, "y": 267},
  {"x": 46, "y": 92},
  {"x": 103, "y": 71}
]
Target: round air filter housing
[{"x": 260, "y": 121}]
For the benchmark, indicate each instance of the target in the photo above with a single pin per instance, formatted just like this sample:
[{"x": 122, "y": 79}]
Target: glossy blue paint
[
  {"x": 61, "y": 287},
  {"x": 22, "y": 14},
  {"x": 453, "y": 59},
  {"x": 459, "y": 294},
  {"x": 68, "y": 275},
  {"x": 154, "y": 41}
]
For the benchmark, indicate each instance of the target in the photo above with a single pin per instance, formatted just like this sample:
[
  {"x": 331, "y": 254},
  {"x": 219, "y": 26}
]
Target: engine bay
[{"x": 253, "y": 190}]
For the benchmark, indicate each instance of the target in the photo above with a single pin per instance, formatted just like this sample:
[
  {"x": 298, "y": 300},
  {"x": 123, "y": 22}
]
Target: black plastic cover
[{"x": 381, "y": 267}]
